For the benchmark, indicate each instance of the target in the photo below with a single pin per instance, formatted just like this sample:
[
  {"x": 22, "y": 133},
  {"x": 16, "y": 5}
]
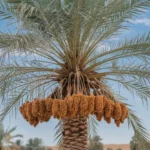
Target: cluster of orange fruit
[{"x": 78, "y": 105}]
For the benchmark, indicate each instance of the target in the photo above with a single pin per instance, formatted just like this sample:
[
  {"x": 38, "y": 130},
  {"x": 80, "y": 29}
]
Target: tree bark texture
[{"x": 75, "y": 134}]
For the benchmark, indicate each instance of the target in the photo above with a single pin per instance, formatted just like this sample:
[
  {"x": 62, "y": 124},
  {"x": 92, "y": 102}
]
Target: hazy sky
[{"x": 109, "y": 132}]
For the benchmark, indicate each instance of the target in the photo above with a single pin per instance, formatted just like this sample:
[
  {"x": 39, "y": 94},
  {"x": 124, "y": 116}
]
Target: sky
[{"x": 109, "y": 132}]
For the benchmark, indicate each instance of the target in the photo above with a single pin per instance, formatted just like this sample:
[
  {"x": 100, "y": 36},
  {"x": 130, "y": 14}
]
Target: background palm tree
[
  {"x": 95, "y": 143},
  {"x": 19, "y": 144},
  {"x": 6, "y": 135},
  {"x": 34, "y": 144},
  {"x": 57, "y": 50}
]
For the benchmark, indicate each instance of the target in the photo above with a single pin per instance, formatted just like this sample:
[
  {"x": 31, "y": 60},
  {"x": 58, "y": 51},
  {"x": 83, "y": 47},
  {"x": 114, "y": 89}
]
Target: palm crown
[{"x": 58, "y": 50}]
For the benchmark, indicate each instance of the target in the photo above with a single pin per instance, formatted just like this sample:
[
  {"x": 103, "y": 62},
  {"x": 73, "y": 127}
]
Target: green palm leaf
[{"x": 140, "y": 131}]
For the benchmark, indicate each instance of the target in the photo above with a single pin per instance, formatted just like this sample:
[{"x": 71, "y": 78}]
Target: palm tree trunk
[{"x": 75, "y": 134}]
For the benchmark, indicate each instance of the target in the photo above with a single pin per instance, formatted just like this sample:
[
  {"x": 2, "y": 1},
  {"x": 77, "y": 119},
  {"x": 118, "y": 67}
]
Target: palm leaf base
[{"x": 75, "y": 134}]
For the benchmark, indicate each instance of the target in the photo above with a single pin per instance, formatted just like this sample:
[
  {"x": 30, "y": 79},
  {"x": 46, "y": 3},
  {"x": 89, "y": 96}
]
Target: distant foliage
[
  {"x": 95, "y": 143},
  {"x": 109, "y": 149},
  {"x": 35, "y": 144},
  {"x": 49, "y": 148},
  {"x": 19, "y": 143}
]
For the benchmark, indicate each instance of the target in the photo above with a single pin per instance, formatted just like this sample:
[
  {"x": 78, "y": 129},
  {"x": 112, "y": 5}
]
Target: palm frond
[
  {"x": 20, "y": 83},
  {"x": 11, "y": 105},
  {"x": 17, "y": 135},
  {"x": 17, "y": 42},
  {"x": 135, "y": 87},
  {"x": 58, "y": 135},
  {"x": 9, "y": 131},
  {"x": 92, "y": 126},
  {"x": 27, "y": 44},
  {"x": 132, "y": 71},
  {"x": 6, "y": 12},
  {"x": 137, "y": 47},
  {"x": 134, "y": 78},
  {"x": 140, "y": 131},
  {"x": 113, "y": 22},
  {"x": 84, "y": 13}
]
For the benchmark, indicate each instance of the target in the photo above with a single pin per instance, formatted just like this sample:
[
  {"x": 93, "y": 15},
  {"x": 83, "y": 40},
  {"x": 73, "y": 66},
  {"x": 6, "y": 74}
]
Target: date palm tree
[
  {"x": 65, "y": 47},
  {"x": 6, "y": 136},
  {"x": 19, "y": 144}
]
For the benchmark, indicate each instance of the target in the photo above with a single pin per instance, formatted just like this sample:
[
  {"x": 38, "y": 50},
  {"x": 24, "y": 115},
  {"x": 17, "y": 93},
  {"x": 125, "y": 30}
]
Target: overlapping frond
[
  {"x": 134, "y": 78},
  {"x": 137, "y": 47},
  {"x": 136, "y": 88},
  {"x": 140, "y": 131},
  {"x": 73, "y": 23},
  {"x": 92, "y": 126},
  {"x": 16, "y": 42},
  {"x": 5, "y": 11},
  {"x": 58, "y": 134},
  {"x": 24, "y": 82}
]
